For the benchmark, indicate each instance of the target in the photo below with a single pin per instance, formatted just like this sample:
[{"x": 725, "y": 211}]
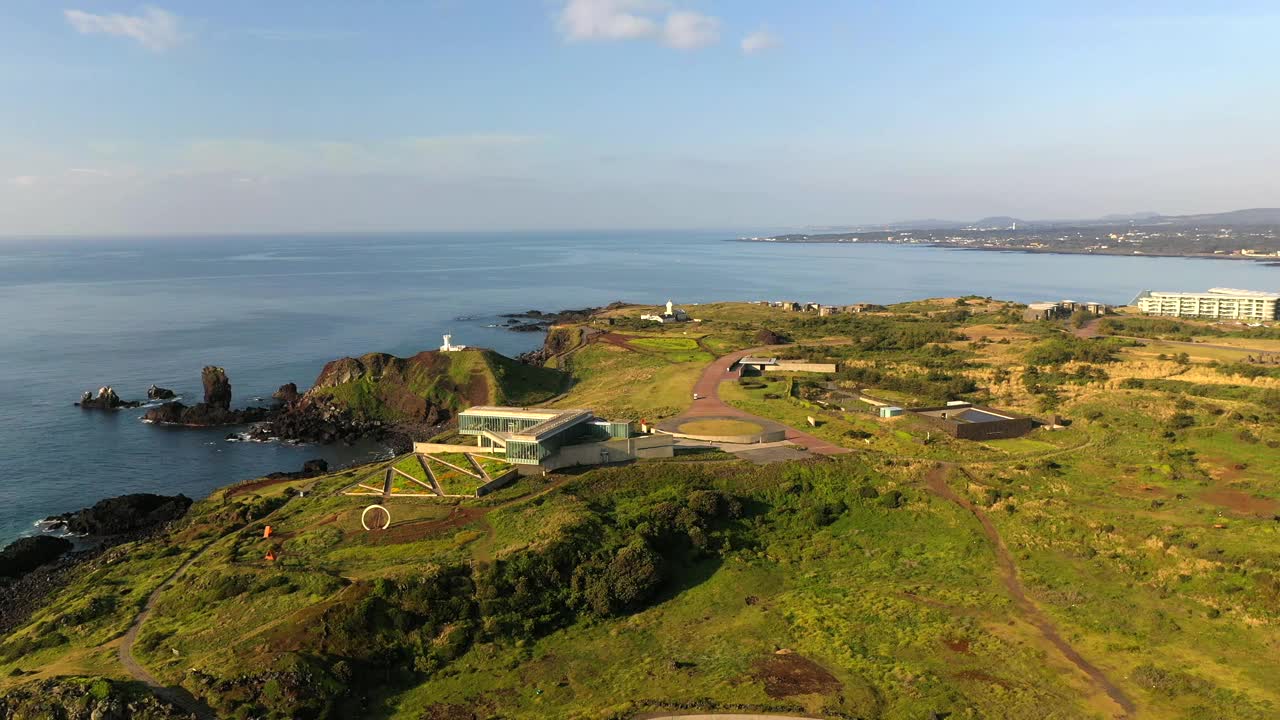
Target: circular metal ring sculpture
[{"x": 385, "y": 512}]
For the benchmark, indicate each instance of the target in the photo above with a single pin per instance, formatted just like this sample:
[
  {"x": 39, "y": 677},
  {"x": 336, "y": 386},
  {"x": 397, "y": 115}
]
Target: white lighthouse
[{"x": 448, "y": 345}]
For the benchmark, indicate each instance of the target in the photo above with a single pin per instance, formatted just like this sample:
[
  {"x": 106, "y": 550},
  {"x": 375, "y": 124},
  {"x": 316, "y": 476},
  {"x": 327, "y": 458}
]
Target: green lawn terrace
[{"x": 449, "y": 474}]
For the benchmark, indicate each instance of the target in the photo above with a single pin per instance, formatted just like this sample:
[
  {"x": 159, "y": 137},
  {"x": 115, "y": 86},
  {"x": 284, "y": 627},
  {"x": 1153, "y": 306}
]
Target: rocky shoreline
[{"x": 33, "y": 567}]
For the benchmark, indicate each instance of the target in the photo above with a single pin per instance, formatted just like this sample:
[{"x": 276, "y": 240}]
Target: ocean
[{"x": 76, "y": 314}]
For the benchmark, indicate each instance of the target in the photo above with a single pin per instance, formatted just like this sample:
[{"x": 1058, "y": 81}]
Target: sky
[{"x": 290, "y": 116}]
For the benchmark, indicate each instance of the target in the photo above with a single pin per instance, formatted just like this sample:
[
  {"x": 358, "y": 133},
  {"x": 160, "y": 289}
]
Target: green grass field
[{"x": 1144, "y": 537}]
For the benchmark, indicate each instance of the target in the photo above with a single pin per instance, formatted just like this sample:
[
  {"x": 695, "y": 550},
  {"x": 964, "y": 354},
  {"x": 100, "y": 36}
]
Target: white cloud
[
  {"x": 91, "y": 172},
  {"x": 608, "y": 19},
  {"x": 23, "y": 180},
  {"x": 690, "y": 30},
  {"x": 637, "y": 19},
  {"x": 153, "y": 28},
  {"x": 760, "y": 41}
]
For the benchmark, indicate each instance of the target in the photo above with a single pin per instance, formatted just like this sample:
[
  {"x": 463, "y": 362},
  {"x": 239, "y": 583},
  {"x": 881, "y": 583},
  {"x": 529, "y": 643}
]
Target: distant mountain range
[{"x": 1234, "y": 218}]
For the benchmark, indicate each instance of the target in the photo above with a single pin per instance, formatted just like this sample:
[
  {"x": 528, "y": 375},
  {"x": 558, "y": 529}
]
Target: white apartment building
[{"x": 1217, "y": 303}]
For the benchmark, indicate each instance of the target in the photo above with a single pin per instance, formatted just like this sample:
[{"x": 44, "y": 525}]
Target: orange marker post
[{"x": 266, "y": 532}]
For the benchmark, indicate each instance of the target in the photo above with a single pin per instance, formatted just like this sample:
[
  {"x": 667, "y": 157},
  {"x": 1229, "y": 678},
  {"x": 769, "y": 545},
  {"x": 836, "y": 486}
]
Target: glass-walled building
[{"x": 531, "y": 436}]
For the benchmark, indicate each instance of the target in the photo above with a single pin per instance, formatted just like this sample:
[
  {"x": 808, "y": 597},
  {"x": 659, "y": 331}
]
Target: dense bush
[
  {"x": 1067, "y": 348},
  {"x": 934, "y": 385}
]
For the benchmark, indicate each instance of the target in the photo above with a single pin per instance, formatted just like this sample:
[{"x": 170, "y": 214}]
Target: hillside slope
[{"x": 430, "y": 386}]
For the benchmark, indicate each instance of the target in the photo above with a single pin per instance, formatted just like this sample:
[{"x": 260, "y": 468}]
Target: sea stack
[{"x": 217, "y": 388}]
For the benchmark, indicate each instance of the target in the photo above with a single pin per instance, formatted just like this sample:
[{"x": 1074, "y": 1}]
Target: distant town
[{"x": 1243, "y": 234}]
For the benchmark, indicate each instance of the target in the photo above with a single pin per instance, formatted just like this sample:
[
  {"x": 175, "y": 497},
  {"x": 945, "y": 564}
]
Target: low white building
[
  {"x": 670, "y": 315},
  {"x": 448, "y": 345},
  {"x": 1216, "y": 304}
]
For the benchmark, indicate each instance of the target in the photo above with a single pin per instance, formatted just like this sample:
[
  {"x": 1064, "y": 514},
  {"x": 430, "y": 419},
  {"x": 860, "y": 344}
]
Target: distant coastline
[{"x": 1269, "y": 260}]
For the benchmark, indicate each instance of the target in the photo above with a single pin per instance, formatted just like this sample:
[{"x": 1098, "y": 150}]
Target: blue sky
[{"x": 237, "y": 116}]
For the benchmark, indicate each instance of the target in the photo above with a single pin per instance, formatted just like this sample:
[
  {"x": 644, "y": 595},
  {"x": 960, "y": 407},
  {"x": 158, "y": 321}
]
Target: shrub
[{"x": 893, "y": 499}]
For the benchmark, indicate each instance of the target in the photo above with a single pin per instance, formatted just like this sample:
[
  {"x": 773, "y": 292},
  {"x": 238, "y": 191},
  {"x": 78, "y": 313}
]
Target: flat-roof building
[
  {"x": 974, "y": 422},
  {"x": 1062, "y": 309},
  {"x": 1217, "y": 304}
]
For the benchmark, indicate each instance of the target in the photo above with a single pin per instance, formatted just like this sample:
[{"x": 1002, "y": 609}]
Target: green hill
[{"x": 430, "y": 385}]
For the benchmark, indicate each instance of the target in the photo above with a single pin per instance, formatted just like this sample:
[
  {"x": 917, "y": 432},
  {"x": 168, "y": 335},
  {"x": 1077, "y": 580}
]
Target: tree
[{"x": 631, "y": 577}]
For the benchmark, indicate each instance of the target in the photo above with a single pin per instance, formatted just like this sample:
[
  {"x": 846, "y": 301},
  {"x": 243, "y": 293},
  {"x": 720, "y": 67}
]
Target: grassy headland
[{"x": 919, "y": 576}]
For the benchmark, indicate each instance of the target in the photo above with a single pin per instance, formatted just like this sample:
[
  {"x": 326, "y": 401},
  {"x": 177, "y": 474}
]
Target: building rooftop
[
  {"x": 966, "y": 413},
  {"x": 553, "y": 421},
  {"x": 1248, "y": 293},
  {"x": 1214, "y": 292}
]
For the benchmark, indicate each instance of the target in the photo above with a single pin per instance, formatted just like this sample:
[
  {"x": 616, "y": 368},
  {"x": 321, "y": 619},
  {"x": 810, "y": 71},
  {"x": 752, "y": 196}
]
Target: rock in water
[
  {"x": 287, "y": 393},
  {"x": 217, "y": 388},
  {"x": 317, "y": 466},
  {"x": 167, "y": 414},
  {"x": 125, "y": 514},
  {"x": 26, "y": 554},
  {"x": 156, "y": 392},
  {"x": 215, "y": 411},
  {"x": 107, "y": 399}
]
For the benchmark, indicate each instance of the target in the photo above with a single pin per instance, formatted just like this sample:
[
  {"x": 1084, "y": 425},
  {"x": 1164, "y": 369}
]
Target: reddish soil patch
[
  {"x": 787, "y": 675},
  {"x": 478, "y": 388},
  {"x": 245, "y": 488},
  {"x": 958, "y": 645},
  {"x": 1241, "y": 503},
  {"x": 294, "y": 533},
  {"x": 421, "y": 529},
  {"x": 980, "y": 676},
  {"x": 1089, "y": 329},
  {"x": 442, "y": 711},
  {"x": 622, "y": 341}
]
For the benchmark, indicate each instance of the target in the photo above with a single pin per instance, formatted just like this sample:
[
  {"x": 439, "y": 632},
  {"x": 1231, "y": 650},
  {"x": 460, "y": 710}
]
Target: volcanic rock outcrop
[
  {"x": 26, "y": 554},
  {"x": 122, "y": 515},
  {"x": 217, "y": 388},
  {"x": 155, "y": 392},
  {"x": 107, "y": 399},
  {"x": 215, "y": 411},
  {"x": 287, "y": 393}
]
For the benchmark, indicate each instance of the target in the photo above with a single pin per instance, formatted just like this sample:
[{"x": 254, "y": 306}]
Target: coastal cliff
[{"x": 378, "y": 394}]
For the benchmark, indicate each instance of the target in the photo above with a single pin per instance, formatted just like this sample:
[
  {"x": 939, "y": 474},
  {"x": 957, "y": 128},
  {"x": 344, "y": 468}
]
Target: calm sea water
[{"x": 77, "y": 314}]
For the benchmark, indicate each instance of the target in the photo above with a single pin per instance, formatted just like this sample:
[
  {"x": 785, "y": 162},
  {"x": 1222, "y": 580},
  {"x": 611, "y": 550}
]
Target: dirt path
[
  {"x": 709, "y": 403},
  {"x": 175, "y": 694},
  {"x": 1088, "y": 330},
  {"x": 1091, "y": 330},
  {"x": 936, "y": 481}
]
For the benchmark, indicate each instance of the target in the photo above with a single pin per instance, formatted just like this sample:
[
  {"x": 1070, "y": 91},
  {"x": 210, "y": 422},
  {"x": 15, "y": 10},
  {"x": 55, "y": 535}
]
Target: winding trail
[
  {"x": 936, "y": 480},
  {"x": 175, "y": 694}
]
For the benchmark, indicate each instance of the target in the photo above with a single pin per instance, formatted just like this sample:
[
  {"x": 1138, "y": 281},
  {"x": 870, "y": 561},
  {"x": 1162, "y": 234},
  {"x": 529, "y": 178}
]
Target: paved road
[{"x": 709, "y": 403}]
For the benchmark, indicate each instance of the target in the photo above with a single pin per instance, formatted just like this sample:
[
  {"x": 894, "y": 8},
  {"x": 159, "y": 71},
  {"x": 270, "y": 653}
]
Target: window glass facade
[{"x": 551, "y": 430}]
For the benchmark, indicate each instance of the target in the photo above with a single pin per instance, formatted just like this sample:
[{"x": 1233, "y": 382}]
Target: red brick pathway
[{"x": 709, "y": 403}]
